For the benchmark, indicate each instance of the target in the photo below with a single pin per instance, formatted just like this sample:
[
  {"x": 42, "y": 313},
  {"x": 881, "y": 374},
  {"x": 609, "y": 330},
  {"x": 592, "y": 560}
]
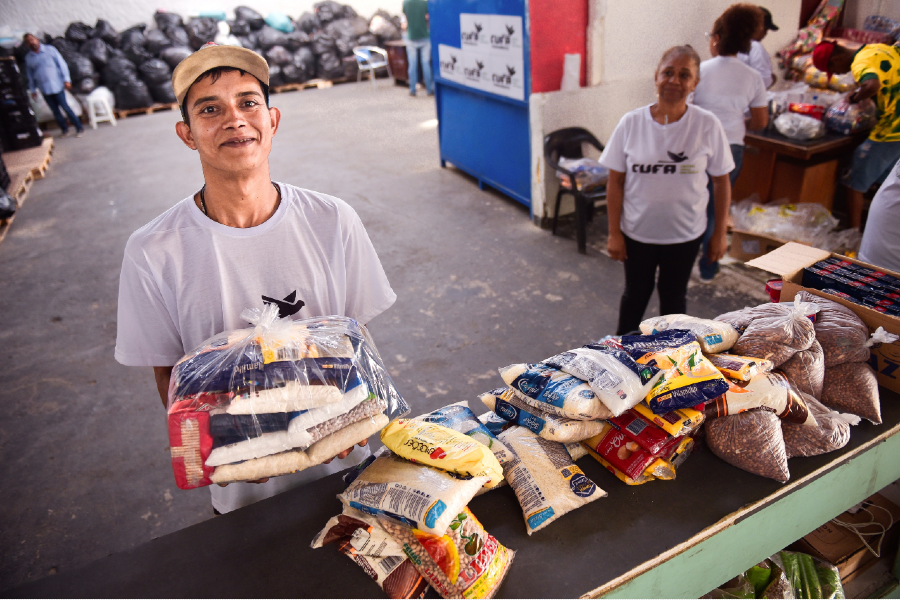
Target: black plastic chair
[{"x": 568, "y": 143}]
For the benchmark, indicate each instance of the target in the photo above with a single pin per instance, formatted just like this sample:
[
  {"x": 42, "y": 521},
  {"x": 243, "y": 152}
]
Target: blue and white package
[
  {"x": 556, "y": 391},
  {"x": 508, "y": 406},
  {"x": 714, "y": 336}
]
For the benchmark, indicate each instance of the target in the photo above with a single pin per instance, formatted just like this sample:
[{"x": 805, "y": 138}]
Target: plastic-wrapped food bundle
[
  {"x": 752, "y": 441},
  {"x": 799, "y": 127},
  {"x": 810, "y": 577},
  {"x": 689, "y": 378},
  {"x": 806, "y": 222},
  {"x": 781, "y": 335},
  {"x": 589, "y": 174},
  {"x": 769, "y": 391},
  {"x": 508, "y": 406},
  {"x": 852, "y": 388},
  {"x": 806, "y": 370},
  {"x": 612, "y": 374},
  {"x": 839, "y": 331},
  {"x": 275, "y": 399},
  {"x": 555, "y": 388},
  {"x": 848, "y": 118},
  {"x": 831, "y": 432},
  {"x": 713, "y": 336},
  {"x": 740, "y": 368}
]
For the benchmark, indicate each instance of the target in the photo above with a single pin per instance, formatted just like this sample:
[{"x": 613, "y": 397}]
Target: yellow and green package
[
  {"x": 688, "y": 377},
  {"x": 466, "y": 562},
  {"x": 741, "y": 368},
  {"x": 680, "y": 421},
  {"x": 441, "y": 447}
]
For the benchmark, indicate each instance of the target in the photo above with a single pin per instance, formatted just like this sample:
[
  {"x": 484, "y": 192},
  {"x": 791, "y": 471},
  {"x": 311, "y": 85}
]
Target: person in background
[
  {"x": 418, "y": 44},
  {"x": 881, "y": 240},
  {"x": 757, "y": 57},
  {"x": 727, "y": 89},
  {"x": 659, "y": 156},
  {"x": 876, "y": 67},
  {"x": 48, "y": 72}
]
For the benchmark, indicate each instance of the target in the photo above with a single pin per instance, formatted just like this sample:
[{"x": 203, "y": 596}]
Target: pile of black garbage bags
[{"x": 136, "y": 64}]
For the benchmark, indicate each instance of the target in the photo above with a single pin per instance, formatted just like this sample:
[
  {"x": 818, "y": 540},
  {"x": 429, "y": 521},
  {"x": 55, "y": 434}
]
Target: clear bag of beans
[
  {"x": 806, "y": 370},
  {"x": 778, "y": 331},
  {"x": 840, "y": 332},
  {"x": 831, "y": 431},
  {"x": 853, "y": 388},
  {"x": 752, "y": 441}
]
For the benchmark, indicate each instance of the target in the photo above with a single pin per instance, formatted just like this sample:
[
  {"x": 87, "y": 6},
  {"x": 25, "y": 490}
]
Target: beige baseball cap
[{"x": 211, "y": 56}]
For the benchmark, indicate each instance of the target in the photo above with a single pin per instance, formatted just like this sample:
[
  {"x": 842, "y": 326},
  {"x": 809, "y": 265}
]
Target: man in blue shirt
[{"x": 48, "y": 72}]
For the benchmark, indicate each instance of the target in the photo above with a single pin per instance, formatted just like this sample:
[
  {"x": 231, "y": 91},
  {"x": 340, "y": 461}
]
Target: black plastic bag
[
  {"x": 269, "y": 37},
  {"x": 201, "y": 30},
  {"x": 367, "y": 39},
  {"x": 165, "y": 20},
  {"x": 85, "y": 86},
  {"x": 278, "y": 55},
  {"x": 239, "y": 27},
  {"x": 253, "y": 18},
  {"x": 305, "y": 61},
  {"x": 246, "y": 42},
  {"x": 115, "y": 53},
  {"x": 8, "y": 205},
  {"x": 349, "y": 12},
  {"x": 136, "y": 54},
  {"x": 157, "y": 40},
  {"x": 275, "y": 77},
  {"x": 163, "y": 92},
  {"x": 154, "y": 71},
  {"x": 80, "y": 66},
  {"x": 104, "y": 31},
  {"x": 61, "y": 44},
  {"x": 329, "y": 66},
  {"x": 131, "y": 92},
  {"x": 308, "y": 22},
  {"x": 117, "y": 70},
  {"x": 349, "y": 28},
  {"x": 97, "y": 50},
  {"x": 384, "y": 26},
  {"x": 78, "y": 33},
  {"x": 296, "y": 40},
  {"x": 328, "y": 11},
  {"x": 178, "y": 36},
  {"x": 133, "y": 36},
  {"x": 175, "y": 55},
  {"x": 322, "y": 43}
]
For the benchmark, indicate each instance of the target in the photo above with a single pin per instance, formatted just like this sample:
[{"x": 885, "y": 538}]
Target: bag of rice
[
  {"x": 771, "y": 391},
  {"x": 442, "y": 447},
  {"x": 832, "y": 431},
  {"x": 555, "y": 388},
  {"x": 689, "y": 378},
  {"x": 713, "y": 336},
  {"x": 363, "y": 539},
  {"x": 466, "y": 562},
  {"x": 853, "y": 388},
  {"x": 806, "y": 370},
  {"x": 616, "y": 378},
  {"x": 417, "y": 495},
  {"x": 459, "y": 417},
  {"x": 493, "y": 423},
  {"x": 624, "y": 454},
  {"x": 740, "y": 368},
  {"x": 752, "y": 441},
  {"x": 505, "y": 403},
  {"x": 785, "y": 331},
  {"x": 840, "y": 332},
  {"x": 678, "y": 422}
]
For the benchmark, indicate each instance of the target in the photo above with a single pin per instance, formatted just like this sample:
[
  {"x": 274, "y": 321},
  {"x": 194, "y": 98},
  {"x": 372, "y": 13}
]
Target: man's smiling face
[{"x": 230, "y": 125}]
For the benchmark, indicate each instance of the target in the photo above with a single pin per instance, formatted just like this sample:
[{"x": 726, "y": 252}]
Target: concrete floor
[{"x": 83, "y": 448}]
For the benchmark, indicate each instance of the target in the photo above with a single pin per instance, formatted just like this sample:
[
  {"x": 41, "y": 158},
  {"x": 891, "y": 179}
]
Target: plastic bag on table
[
  {"x": 508, "y": 406},
  {"x": 778, "y": 331},
  {"x": 769, "y": 391},
  {"x": 275, "y": 398},
  {"x": 806, "y": 370},
  {"x": 805, "y": 222},
  {"x": 752, "y": 441},
  {"x": 8, "y": 205},
  {"x": 689, "y": 378},
  {"x": 848, "y": 118},
  {"x": 799, "y": 127},
  {"x": 364, "y": 540},
  {"x": 852, "y": 388},
  {"x": 831, "y": 432},
  {"x": 589, "y": 173},
  {"x": 466, "y": 562},
  {"x": 713, "y": 336},
  {"x": 558, "y": 392},
  {"x": 808, "y": 576},
  {"x": 839, "y": 331},
  {"x": 740, "y": 368}
]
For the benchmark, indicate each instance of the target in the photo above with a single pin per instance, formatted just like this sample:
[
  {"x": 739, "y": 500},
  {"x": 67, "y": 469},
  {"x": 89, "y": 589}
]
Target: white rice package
[
  {"x": 505, "y": 403},
  {"x": 714, "y": 336},
  {"x": 554, "y": 388}
]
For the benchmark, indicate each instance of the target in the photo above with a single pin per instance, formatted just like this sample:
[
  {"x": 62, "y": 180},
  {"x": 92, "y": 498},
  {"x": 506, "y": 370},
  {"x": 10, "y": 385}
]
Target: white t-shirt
[
  {"x": 759, "y": 59},
  {"x": 186, "y": 278},
  {"x": 727, "y": 88},
  {"x": 666, "y": 170},
  {"x": 881, "y": 240}
]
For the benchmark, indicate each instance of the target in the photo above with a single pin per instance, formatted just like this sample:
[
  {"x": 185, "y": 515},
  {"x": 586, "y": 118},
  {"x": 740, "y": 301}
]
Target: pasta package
[
  {"x": 740, "y": 368},
  {"x": 624, "y": 454},
  {"x": 769, "y": 391},
  {"x": 661, "y": 468},
  {"x": 713, "y": 336},
  {"x": 466, "y": 562},
  {"x": 443, "y": 448},
  {"x": 642, "y": 431},
  {"x": 688, "y": 377},
  {"x": 678, "y": 422},
  {"x": 505, "y": 404},
  {"x": 275, "y": 398},
  {"x": 570, "y": 395}
]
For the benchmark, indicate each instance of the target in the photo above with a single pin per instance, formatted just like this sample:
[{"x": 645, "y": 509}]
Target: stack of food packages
[{"x": 276, "y": 398}]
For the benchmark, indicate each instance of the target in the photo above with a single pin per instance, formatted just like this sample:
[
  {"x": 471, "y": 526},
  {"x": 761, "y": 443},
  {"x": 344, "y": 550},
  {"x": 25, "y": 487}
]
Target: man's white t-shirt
[
  {"x": 760, "y": 60},
  {"x": 880, "y": 244},
  {"x": 727, "y": 89},
  {"x": 186, "y": 278},
  {"x": 666, "y": 170}
]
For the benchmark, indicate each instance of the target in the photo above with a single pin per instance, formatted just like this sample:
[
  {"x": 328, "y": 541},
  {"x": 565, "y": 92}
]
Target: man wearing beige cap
[{"x": 241, "y": 241}]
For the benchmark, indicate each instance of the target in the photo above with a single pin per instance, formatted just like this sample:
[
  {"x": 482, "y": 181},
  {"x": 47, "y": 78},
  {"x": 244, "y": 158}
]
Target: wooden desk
[{"x": 399, "y": 61}]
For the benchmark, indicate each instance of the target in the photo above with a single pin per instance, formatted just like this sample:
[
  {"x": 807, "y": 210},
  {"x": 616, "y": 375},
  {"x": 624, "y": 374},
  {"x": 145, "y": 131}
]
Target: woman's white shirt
[
  {"x": 727, "y": 88},
  {"x": 666, "y": 170}
]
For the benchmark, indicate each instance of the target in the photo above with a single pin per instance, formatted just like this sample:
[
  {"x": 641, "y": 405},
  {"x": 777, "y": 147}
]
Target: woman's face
[{"x": 676, "y": 78}]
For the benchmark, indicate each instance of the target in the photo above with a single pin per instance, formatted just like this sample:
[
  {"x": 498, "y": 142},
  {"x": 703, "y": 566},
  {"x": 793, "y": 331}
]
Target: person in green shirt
[{"x": 418, "y": 44}]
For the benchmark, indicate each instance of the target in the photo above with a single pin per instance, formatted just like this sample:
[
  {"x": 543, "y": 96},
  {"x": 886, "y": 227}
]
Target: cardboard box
[
  {"x": 746, "y": 246},
  {"x": 843, "y": 548},
  {"x": 789, "y": 260}
]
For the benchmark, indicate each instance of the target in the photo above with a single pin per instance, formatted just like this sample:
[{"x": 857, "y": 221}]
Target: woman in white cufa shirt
[
  {"x": 659, "y": 157},
  {"x": 727, "y": 89}
]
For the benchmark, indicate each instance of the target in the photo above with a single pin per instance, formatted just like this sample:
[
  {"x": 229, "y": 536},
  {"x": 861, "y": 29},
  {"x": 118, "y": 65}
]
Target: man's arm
[
  {"x": 867, "y": 89},
  {"x": 162, "y": 375}
]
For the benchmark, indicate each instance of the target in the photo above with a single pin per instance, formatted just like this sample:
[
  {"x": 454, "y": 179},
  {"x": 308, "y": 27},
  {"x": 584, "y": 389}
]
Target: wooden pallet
[
  {"x": 36, "y": 160},
  {"x": 130, "y": 112},
  {"x": 319, "y": 84}
]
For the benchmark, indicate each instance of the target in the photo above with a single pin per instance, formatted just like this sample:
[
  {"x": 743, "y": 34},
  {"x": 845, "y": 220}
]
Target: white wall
[
  {"x": 626, "y": 40},
  {"x": 53, "y": 16},
  {"x": 856, "y": 11}
]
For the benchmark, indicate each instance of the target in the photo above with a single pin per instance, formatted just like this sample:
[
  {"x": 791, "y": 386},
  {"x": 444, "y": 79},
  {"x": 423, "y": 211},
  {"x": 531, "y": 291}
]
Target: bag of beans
[
  {"x": 806, "y": 370},
  {"x": 752, "y": 441},
  {"x": 555, "y": 388},
  {"x": 778, "y": 331},
  {"x": 853, "y": 388},
  {"x": 831, "y": 432},
  {"x": 713, "y": 336},
  {"x": 505, "y": 403},
  {"x": 840, "y": 332}
]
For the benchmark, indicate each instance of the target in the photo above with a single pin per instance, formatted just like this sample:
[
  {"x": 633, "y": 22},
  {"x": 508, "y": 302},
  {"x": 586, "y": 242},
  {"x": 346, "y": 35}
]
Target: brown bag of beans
[
  {"x": 751, "y": 441},
  {"x": 806, "y": 370},
  {"x": 853, "y": 388},
  {"x": 778, "y": 331},
  {"x": 831, "y": 432},
  {"x": 841, "y": 333}
]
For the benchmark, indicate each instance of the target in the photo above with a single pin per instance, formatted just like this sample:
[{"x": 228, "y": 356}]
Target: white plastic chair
[
  {"x": 368, "y": 62},
  {"x": 99, "y": 107}
]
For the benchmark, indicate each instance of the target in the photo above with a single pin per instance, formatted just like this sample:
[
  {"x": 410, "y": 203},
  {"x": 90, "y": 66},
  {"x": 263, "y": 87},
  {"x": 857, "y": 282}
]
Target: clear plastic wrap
[
  {"x": 806, "y": 370},
  {"x": 508, "y": 406},
  {"x": 276, "y": 398},
  {"x": 852, "y": 388},
  {"x": 713, "y": 336},
  {"x": 810, "y": 577},
  {"x": 839, "y": 331},
  {"x": 806, "y": 222},
  {"x": 779, "y": 336},
  {"x": 799, "y": 127},
  {"x": 844, "y": 117},
  {"x": 831, "y": 432},
  {"x": 752, "y": 441},
  {"x": 589, "y": 173},
  {"x": 572, "y": 397},
  {"x": 614, "y": 376},
  {"x": 769, "y": 391}
]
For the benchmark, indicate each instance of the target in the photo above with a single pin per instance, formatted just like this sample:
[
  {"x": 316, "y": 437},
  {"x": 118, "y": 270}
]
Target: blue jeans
[
  {"x": 708, "y": 270},
  {"x": 413, "y": 49},
  {"x": 55, "y": 101}
]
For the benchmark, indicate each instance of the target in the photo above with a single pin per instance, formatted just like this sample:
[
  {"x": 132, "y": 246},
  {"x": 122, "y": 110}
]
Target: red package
[
  {"x": 812, "y": 110},
  {"x": 640, "y": 430},
  {"x": 626, "y": 455}
]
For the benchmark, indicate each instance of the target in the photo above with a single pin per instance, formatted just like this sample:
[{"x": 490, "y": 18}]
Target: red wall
[{"x": 558, "y": 27}]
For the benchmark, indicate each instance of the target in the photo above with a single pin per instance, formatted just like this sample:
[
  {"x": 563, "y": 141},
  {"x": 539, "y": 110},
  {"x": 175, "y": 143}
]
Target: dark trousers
[
  {"x": 709, "y": 269},
  {"x": 57, "y": 101},
  {"x": 675, "y": 262}
]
